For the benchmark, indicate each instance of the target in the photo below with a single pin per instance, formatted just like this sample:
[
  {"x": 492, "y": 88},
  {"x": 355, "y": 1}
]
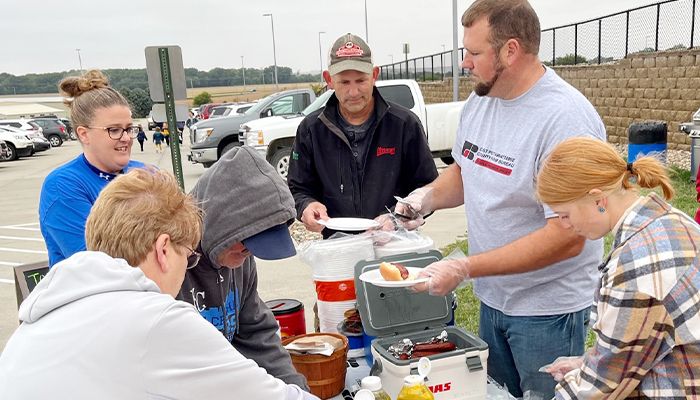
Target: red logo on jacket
[{"x": 385, "y": 150}]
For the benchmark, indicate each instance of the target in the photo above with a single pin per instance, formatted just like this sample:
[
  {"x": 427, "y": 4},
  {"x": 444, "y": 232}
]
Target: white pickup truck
[{"x": 273, "y": 137}]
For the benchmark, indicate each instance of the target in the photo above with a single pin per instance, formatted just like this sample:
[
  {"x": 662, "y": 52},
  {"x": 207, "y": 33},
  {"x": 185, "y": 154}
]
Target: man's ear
[
  {"x": 511, "y": 51},
  {"x": 163, "y": 248},
  {"x": 327, "y": 78},
  {"x": 375, "y": 73}
]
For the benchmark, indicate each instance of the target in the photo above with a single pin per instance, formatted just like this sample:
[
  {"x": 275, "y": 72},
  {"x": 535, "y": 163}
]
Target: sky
[{"x": 42, "y": 36}]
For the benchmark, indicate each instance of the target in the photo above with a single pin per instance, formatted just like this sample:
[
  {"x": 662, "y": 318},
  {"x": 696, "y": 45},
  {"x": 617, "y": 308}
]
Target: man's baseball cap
[
  {"x": 271, "y": 244},
  {"x": 350, "y": 52}
]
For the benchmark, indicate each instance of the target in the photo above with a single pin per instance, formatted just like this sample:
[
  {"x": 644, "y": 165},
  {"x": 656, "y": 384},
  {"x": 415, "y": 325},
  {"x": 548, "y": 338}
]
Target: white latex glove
[
  {"x": 421, "y": 204},
  {"x": 386, "y": 223},
  {"x": 313, "y": 212},
  {"x": 561, "y": 366},
  {"x": 444, "y": 276}
]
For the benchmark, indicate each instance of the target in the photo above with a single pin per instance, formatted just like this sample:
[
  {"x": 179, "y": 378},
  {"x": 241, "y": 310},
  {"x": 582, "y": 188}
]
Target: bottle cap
[
  {"x": 364, "y": 394},
  {"x": 424, "y": 367},
  {"x": 372, "y": 383},
  {"x": 413, "y": 380}
]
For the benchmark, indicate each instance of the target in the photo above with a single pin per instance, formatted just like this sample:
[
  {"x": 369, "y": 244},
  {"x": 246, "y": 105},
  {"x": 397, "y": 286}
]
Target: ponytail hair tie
[{"x": 629, "y": 167}]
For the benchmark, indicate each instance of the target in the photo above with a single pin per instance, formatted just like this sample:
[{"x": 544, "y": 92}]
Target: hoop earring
[{"x": 601, "y": 209}]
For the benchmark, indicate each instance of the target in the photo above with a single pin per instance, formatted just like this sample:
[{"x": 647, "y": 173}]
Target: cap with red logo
[{"x": 350, "y": 52}]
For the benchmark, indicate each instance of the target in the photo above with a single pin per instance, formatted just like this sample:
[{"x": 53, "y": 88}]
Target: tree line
[
  {"x": 137, "y": 79},
  {"x": 133, "y": 83}
]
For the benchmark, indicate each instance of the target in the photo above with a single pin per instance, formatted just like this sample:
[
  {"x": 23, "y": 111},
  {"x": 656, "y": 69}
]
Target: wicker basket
[{"x": 325, "y": 375}]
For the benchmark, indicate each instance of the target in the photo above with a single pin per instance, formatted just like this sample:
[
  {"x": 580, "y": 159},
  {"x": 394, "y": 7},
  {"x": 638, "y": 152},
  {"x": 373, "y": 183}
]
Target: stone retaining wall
[{"x": 661, "y": 86}]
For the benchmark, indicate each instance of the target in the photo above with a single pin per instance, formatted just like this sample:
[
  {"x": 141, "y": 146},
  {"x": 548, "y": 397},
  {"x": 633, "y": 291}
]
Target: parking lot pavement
[{"x": 21, "y": 241}]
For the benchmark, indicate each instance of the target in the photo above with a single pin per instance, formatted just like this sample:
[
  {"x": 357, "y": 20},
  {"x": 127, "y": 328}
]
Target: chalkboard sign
[{"x": 27, "y": 276}]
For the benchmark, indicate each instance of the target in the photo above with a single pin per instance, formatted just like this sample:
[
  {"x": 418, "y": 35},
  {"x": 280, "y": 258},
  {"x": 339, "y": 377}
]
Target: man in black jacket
[{"x": 353, "y": 156}]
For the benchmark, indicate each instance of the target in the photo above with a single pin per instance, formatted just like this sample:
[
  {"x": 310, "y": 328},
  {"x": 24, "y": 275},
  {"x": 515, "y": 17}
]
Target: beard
[{"x": 483, "y": 88}]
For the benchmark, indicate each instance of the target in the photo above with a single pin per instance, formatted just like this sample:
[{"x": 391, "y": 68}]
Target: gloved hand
[
  {"x": 561, "y": 366},
  {"x": 420, "y": 203},
  {"x": 386, "y": 223},
  {"x": 443, "y": 276}
]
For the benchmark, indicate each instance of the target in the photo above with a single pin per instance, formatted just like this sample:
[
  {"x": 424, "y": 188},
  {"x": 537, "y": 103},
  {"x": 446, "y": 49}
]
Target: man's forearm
[
  {"x": 544, "y": 247},
  {"x": 448, "y": 191}
]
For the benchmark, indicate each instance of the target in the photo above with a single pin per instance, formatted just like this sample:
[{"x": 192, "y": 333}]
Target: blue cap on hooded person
[{"x": 273, "y": 243}]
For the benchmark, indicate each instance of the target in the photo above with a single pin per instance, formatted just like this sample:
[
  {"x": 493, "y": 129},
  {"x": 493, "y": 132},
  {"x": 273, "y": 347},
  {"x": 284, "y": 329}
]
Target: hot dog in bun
[{"x": 393, "y": 272}]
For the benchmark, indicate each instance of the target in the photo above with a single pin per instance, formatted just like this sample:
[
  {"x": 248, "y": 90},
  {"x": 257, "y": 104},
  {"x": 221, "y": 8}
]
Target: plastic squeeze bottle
[
  {"x": 374, "y": 384},
  {"x": 414, "y": 388}
]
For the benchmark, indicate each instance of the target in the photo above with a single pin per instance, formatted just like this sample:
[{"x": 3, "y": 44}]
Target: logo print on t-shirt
[
  {"x": 469, "y": 149},
  {"x": 497, "y": 162}
]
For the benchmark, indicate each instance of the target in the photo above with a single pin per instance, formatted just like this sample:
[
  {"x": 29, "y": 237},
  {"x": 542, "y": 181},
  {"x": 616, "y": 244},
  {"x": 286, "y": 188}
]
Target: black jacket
[{"x": 322, "y": 167}]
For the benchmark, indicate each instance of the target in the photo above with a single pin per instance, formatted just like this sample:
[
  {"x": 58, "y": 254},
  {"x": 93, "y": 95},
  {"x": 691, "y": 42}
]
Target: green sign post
[
  {"x": 169, "y": 100},
  {"x": 166, "y": 82}
]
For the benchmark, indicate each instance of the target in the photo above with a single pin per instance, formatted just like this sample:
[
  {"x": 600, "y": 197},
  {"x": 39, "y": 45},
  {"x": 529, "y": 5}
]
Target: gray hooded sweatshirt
[{"x": 241, "y": 195}]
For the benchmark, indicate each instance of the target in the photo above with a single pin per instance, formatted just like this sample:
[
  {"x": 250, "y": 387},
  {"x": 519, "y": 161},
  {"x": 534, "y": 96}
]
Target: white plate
[
  {"x": 349, "y": 224},
  {"x": 375, "y": 278}
]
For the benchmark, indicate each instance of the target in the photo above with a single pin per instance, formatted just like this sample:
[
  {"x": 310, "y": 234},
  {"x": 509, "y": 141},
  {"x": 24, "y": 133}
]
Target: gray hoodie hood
[
  {"x": 241, "y": 195},
  {"x": 82, "y": 275}
]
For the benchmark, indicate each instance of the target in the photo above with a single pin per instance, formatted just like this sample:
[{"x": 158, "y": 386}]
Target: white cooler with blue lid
[{"x": 393, "y": 314}]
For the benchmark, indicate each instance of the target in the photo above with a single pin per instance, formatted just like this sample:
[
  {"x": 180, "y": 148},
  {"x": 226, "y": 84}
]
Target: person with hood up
[
  {"x": 247, "y": 208},
  {"x": 104, "y": 323}
]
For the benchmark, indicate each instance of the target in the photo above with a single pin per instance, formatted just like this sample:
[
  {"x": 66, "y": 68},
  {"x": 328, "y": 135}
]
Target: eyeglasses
[
  {"x": 116, "y": 133},
  {"x": 192, "y": 258}
]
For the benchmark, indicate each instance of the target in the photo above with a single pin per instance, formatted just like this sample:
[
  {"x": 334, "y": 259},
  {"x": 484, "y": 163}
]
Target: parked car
[
  {"x": 54, "y": 130},
  {"x": 205, "y": 110},
  {"x": 152, "y": 123},
  {"x": 69, "y": 128},
  {"x": 38, "y": 140},
  {"x": 65, "y": 121},
  {"x": 212, "y": 138},
  {"x": 22, "y": 124},
  {"x": 273, "y": 137},
  {"x": 4, "y": 152},
  {"x": 230, "y": 109},
  {"x": 18, "y": 144}
]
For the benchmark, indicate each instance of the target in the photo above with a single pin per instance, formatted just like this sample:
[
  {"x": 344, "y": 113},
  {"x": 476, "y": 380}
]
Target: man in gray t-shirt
[{"x": 535, "y": 279}]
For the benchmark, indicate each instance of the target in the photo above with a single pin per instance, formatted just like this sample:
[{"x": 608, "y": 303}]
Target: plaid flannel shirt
[{"x": 648, "y": 306}]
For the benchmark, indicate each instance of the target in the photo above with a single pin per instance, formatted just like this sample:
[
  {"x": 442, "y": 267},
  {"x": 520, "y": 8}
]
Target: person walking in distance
[{"x": 141, "y": 137}]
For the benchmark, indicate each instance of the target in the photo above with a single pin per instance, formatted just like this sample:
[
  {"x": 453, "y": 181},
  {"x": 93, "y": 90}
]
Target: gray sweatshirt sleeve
[
  {"x": 257, "y": 330},
  {"x": 185, "y": 357}
]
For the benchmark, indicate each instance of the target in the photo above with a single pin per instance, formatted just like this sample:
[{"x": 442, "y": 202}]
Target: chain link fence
[{"x": 667, "y": 25}]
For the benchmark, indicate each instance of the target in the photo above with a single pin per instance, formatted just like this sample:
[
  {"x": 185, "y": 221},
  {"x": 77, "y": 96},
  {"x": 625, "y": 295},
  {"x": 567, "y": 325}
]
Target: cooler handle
[{"x": 474, "y": 364}]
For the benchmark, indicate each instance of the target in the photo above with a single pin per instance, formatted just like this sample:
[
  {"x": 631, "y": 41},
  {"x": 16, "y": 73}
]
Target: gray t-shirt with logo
[{"x": 500, "y": 147}]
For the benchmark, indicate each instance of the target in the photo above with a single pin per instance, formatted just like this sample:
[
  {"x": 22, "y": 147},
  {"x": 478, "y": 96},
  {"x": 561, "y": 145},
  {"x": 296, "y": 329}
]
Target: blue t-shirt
[{"x": 67, "y": 195}]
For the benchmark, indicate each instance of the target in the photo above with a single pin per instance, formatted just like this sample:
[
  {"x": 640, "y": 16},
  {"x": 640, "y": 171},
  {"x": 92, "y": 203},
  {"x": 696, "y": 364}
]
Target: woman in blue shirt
[{"x": 102, "y": 120}]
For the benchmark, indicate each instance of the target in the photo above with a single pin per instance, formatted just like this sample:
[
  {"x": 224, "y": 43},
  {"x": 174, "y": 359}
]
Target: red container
[{"x": 289, "y": 314}]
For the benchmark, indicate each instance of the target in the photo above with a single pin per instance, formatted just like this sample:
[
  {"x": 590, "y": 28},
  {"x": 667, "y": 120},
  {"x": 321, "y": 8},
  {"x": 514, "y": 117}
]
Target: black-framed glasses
[
  {"x": 192, "y": 258},
  {"x": 116, "y": 133}
]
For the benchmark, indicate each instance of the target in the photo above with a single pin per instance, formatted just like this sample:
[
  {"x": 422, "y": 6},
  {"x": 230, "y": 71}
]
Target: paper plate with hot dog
[{"x": 393, "y": 275}]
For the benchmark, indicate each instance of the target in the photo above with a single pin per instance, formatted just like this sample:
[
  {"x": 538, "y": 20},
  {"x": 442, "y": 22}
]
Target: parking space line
[
  {"x": 9, "y": 264},
  {"x": 21, "y": 238},
  {"x": 20, "y": 228},
  {"x": 28, "y": 224},
  {"x": 8, "y": 281},
  {"x": 23, "y": 251}
]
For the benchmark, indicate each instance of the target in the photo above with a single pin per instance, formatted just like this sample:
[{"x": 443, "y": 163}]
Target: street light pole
[
  {"x": 320, "y": 54},
  {"x": 392, "y": 58},
  {"x": 455, "y": 47},
  {"x": 80, "y": 60},
  {"x": 274, "y": 49},
  {"x": 366, "y": 30},
  {"x": 243, "y": 69}
]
